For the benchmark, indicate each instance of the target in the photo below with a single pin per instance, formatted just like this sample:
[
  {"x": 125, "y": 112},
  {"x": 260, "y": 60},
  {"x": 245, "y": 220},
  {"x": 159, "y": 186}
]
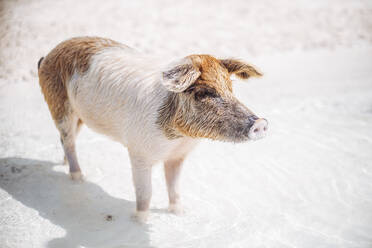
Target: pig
[{"x": 156, "y": 108}]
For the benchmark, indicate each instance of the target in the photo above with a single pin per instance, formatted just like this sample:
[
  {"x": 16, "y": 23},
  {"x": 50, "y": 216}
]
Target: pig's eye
[{"x": 202, "y": 92}]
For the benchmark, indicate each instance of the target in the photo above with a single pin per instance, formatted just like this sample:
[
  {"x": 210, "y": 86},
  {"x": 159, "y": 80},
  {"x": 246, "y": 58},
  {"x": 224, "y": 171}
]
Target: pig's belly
[
  {"x": 102, "y": 116},
  {"x": 103, "y": 125}
]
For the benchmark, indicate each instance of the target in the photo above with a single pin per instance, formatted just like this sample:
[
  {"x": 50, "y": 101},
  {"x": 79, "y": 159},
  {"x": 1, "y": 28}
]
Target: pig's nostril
[{"x": 258, "y": 129}]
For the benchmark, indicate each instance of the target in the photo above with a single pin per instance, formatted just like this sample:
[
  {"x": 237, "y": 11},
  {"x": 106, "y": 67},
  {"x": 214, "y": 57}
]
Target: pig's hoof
[
  {"x": 176, "y": 209},
  {"x": 76, "y": 176},
  {"x": 141, "y": 216},
  {"x": 64, "y": 162}
]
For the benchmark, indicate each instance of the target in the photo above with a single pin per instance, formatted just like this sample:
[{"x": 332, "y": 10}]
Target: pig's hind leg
[
  {"x": 69, "y": 127},
  {"x": 78, "y": 127},
  {"x": 52, "y": 73}
]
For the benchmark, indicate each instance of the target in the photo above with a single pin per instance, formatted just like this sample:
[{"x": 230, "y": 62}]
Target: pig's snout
[{"x": 258, "y": 129}]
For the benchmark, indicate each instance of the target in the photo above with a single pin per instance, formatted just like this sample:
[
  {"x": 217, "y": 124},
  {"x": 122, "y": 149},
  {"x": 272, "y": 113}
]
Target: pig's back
[{"x": 119, "y": 95}]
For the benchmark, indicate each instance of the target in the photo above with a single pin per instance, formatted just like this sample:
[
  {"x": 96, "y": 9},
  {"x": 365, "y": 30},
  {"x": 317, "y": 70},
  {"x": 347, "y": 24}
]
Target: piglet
[{"x": 158, "y": 109}]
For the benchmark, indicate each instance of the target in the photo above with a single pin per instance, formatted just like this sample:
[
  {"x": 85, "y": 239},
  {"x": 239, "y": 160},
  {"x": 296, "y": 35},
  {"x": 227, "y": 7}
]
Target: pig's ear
[
  {"x": 240, "y": 69},
  {"x": 179, "y": 75}
]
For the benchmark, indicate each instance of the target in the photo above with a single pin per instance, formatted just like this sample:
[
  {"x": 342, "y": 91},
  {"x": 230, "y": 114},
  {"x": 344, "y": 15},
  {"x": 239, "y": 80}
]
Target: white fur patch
[{"x": 119, "y": 96}]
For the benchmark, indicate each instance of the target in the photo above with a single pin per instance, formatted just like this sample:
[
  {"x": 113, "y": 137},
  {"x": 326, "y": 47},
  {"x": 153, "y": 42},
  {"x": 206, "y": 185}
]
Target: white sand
[{"x": 309, "y": 184}]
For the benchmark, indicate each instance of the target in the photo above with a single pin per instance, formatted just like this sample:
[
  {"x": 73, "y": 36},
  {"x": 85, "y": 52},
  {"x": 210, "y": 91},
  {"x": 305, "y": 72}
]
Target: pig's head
[{"x": 200, "y": 102}]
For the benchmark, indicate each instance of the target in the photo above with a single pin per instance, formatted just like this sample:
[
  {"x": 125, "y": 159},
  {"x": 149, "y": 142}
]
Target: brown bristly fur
[
  {"x": 183, "y": 114},
  {"x": 61, "y": 63},
  {"x": 175, "y": 116},
  {"x": 212, "y": 73},
  {"x": 240, "y": 69},
  {"x": 170, "y": 115}
]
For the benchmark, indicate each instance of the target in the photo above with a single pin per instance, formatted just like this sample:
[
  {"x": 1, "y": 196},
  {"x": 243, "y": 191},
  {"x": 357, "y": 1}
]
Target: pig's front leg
[
  {"x": 141, "y": 172},
  {"x": 172, "y": 170}
]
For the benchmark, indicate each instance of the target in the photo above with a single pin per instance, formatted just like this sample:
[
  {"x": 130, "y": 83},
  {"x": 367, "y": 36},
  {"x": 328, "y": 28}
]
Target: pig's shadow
[{"x": 89, "y": 215}]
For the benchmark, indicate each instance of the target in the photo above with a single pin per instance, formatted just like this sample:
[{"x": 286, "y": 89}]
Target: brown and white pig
[{"x": 158, "y": 110}]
